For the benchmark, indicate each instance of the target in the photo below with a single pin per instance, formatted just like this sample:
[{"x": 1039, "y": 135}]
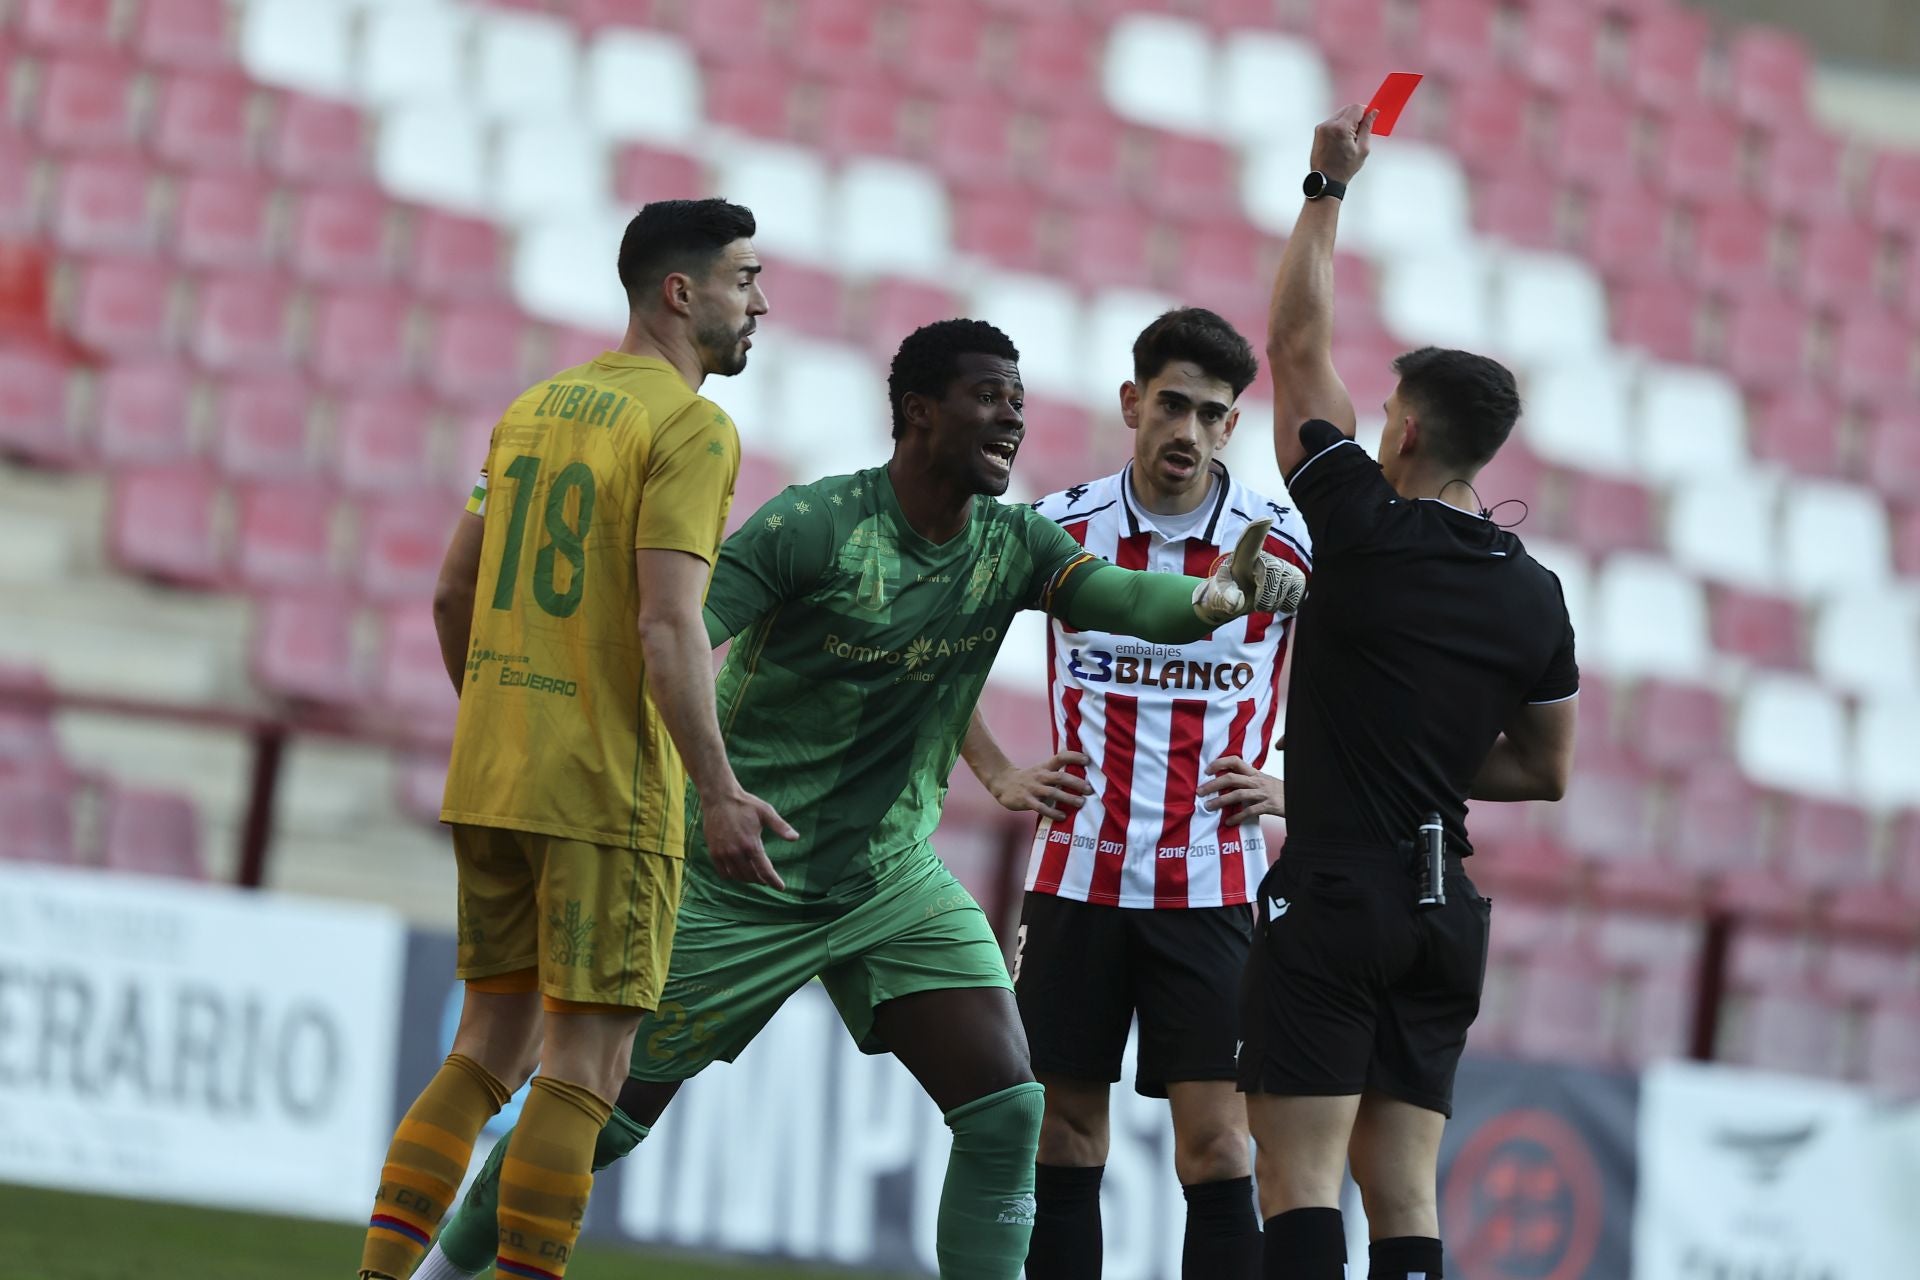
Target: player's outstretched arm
[
  {"x": 1045, "y": 788},
  {"x": 453, "y": 595},
  {"x": 1172, "y": 608},
  {"x": 1300, "y": 317},
  {"x": 673, "y": 635}
]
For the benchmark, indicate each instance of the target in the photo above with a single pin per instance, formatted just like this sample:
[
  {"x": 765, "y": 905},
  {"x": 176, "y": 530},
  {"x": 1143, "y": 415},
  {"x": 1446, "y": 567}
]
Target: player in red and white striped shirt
[{"x": 1149, "y": 846}]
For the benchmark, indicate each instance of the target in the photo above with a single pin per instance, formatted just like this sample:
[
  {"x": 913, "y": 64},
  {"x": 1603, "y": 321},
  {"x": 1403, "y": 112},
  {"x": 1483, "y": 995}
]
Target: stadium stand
[{"x": 268, "y": 267}]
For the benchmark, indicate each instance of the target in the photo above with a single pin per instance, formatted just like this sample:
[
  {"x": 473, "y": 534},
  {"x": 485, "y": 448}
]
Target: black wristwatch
[{"x": 1319, "y": 184}]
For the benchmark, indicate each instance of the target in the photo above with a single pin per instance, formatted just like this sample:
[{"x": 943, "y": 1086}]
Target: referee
[{"x": 1434, "y": 664}]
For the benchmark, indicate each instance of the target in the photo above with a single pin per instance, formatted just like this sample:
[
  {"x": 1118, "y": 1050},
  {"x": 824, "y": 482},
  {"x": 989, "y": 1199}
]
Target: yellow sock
[
  {"x": 425, "y": 1164},
  {"x": 546, "y": 1178}
]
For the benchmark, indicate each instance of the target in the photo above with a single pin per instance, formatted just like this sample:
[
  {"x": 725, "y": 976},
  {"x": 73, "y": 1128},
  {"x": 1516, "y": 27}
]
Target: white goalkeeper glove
[{"x": 1249, "y": 580}]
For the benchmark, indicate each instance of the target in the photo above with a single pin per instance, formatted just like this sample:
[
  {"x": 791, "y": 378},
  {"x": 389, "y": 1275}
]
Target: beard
[{"x": 720, "y": 343}]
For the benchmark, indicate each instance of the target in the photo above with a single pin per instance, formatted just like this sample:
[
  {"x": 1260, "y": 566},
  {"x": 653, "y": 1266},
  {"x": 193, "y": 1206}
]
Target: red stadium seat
[
  {"x": 155, "y": 833},
  {"x": 479, "y": 355},
  {"x": 1800, "y": 430},
  {"x": 860, "y": 118},
  {"x": 1873, "y": 357},
  {"x": 594, "y": 15},
  {"x": 20, "y": 202},
  {"x": 1526, "y": 925},
  {"x": 1487, "y": 124},
  {"x": 1760, "y": 958},
  {"x": 943, "y": 45},
  {"x": 164, "y": 523},
  {"x": 420, "y": 784},
  {"x": 383, "y": 442},
  {"x": 1058, "y": 440},
  {"x": 1648, "y": 941},
  {"x": 643, "y": 174},
  {"x": 1353, "y": 28},
  {"x": 1595, "y": 143},
  {"x": 33, "y": 405},
  {"x": 1892, "y": 447},
  {"x": 316, "y": 140},
  {"x": 204, "y": 122},
  {"x": 402, "y": 542},
  {"x": 105, "y": 206},
  {"x": 1892, "y": 1055},
  {"x": 284, "y": 538},
  {"x": 1607, "y": 515},
  {"x": 1893, "y": 199},
  {"x": 1521, "y": 206},
  {"x": 1658, "y": 1022},
  {"x": 142, "y": 413},
  {"x": 836, "y": 37},
  {"x": 810, "y": 299},
  {"x": 244, "y": 322},
  {"x": 1700, "y": 156},
  {"x": 471, "y": 434},
  {"x": 1055, "y": 62},
  {"x": 1188, "y": 180},
  {"x": 341, "y": 235},
  {"x": 1868, "y": 970},
  {"x": 224, "y": 222},
  {"x": 36, "y": 819},
  {"x": 1110, "y": 247},
  {"x": 191, "y": 34},
  {"x": 1565, "y": 1011},
  {"x": 1659, "y": 317},
  {"x": 413, "y": 682},
  {"x": 566, "y": 347},
  {"x": 1080, "y": 159},
  {"x": 303, "y": 647},
  {"x": 361, "y": 339},
  {"x": 124, "y": 308},
  {"x": 1456, "y": 38},
  {"x": 752, "y": 97},
  {"x": 1222, "y": 264},
  {"x": 262, "y": 427},
  {"x": 761, "y": 479},
  {"x": 1795, "y": 1030},
  {"x": 1000, "y": 224},
  {"x": 1678, "y": 726},
  {"x": 1625, "y": 235},
  {"x": 1667, "y": 48},
  {"x": 1838, "y": 257},
  {"x": 1609, "y": 815},
  {"x": 1769, "y": 69},
  {"x": 1732, "y": 248},
  {"x": 726, "y": 31},
  {"x": 1906, "y": 545},
  {"x": 972, "y": 140},
  {"x": 1558, "y": 47},
  {"x": 1801, "y": 171},
  {"x": 897, "y": 306},
  {"x": 1765, "y": 342},
  {"x": 1763, "y": 629},
  {"x": 1516, "y": 473},
  {"x": 1826, "y": 844},
  {"x": 87, "y": 104},
  {"x": 1717, "y": 822},
  {"x": 86, "y": 26}
]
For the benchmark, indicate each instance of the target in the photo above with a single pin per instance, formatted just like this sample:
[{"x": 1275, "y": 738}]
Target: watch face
[{"x": 1315, "y": 185}]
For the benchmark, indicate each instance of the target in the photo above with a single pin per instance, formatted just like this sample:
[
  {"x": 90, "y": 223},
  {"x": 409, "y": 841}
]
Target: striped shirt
[{"x": 1152, "y": 717}]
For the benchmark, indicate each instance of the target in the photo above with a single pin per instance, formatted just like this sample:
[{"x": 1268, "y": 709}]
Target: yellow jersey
[{"x": 557, "y": 733}]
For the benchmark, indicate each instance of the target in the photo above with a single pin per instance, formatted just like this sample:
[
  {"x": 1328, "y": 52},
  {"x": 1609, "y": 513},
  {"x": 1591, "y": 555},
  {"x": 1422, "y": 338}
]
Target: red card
[{"x": 1390, "y": 98}]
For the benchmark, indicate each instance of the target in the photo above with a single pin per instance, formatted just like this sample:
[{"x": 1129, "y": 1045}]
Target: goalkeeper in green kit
[{"x": 865, "y": 612}]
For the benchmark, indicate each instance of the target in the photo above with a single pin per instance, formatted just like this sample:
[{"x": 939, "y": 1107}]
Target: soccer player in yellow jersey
[{"x": 569, "y": 611}]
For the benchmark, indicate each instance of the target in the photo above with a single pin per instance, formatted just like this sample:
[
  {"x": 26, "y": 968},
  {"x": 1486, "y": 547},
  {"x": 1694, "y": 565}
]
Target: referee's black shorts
[
  {"x": 1351, "y": 986},
  {"x": 1081, "y": 972}
]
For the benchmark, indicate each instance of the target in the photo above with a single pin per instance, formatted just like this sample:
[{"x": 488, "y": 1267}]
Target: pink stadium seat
[
  {"x": 1826, "y": 844},
  {"x": 1906, "y": 543},
  {"x": 191, "y": 34},
  {"x": 753, "y": 97},
  {"x": 1080, "y": 159},
  {"x": 860, "y": 118},
  {"x": 383, "y": 442},
  {"x": 361, "y": 339},
  {"x": 1565, "y": 1010},
  {"x": 1558, "y": 46},
  {"x": 1700, "y": 156},
  {"x": 1658, "y": 1022},
  {"x": 33, "y": 405},
  {"x": 1873, "y": 357},
  {"x": 28, "y": 744},
  {"x": 729, "y": 30},
  {"x": 142, "y": 413},
  {"x": 1608, "y": 515},
  {"x": 1893, "y": 199},
  {"x": 1732, "y": 248},
  {"x": 224, "y": 222},
  {"x": 1801, "y": 171},
  {"x": 1000, "y": 224},
  {"x": 1667, "y": 48},
  {"x": 315, "y": 140},
  {"x": 1795, "y": 1030},
  {"x": 1516, "y": 472},
  {"x": 1487, "y": 122},
  {"x": 105, "y": 206},
  {"x": 155, "y": 833},
  {"x": 25, "y": 270},
  {"x": 1609, "y": 815},
  {"x": 1625, "y": 235},
  {"x": 36, "y": 819},
  {"x": 1109, "y": 247},
  {"x": 943, "y": 44},
  {"x": 1892, "y": 448},
  {"x": 124, "y": 308},
  {"x": 836, "y": 37},
  {"x": 1717, "y": 822},
  {"x": 1353, "y": 28},
  {"x": 1837, "y": 262},
  {"x": 1520, "y": 206},
  {"x": 1185, "y": 179},
  {"x": 1526, "y": 924},
  {"x": 897, "y": 306},
  {"x": 1055, "y": 62},
  {"x": 303, "y": 647},
  {"x": 402, "y": 542},
  {"x": 1595, "y": 144},
  {"x": 1764, "y": 343},
  {"x": 1678, "y": 726},
  {"x": 87, "y": 26},
  {"x": 1646, "y": 940},
  {"x": 420, "y": 785},
  {"x": 810, "y": 298},
  {"x": 1869, "y": 970},
  {"x": 262, "y": 427},
  {"x": 413, "y": 682},
  {"x": 1769, "y": 69},
  {"x": 341, "y": 236},
  {"x": 1058, "y": 440},
  {"x": 86, "y": 104},
  {"x": 20, "y": 202},
  {"x": 1799, "y": 429},
  {"x": 164, "y": 523},
  {"x": 284, "y": 538},
  {"x": 761, "y": 478},
  {"x": 244, "y": 322},
  {"x": 203, "y": 122},
  {"x": 642, "y": 174},
  {"x": 971, "y": 140},
  {"x": 594, "y": 15},
  {"x": 1659, "y": 317},
  {"x": 471, "y": 435},
  {"x": 566, "y": 347},
  {"x": 1761, "y": 958},
  {"x": 1456, "y": 37},
  {"x": 1221, "y": 263},
  {"x": 1892, "y": 1057},
  {"x": 479, "y": 355},
  {"x": 1764, "y": 629}
]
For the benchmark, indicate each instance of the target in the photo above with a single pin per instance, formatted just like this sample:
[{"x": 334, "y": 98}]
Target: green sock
[
  {"x": 471, "y": 1236},
  {"x": 986, "y": 1207}
]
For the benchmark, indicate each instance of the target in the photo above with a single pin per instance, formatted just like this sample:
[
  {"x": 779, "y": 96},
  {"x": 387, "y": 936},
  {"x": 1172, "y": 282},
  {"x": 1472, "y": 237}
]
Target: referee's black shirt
[{"x": 1425, "y": 629}]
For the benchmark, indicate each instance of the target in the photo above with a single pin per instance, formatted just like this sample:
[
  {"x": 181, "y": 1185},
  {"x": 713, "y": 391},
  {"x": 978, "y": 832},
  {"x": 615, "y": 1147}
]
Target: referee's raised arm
[{"x": 1300, "y": 316}]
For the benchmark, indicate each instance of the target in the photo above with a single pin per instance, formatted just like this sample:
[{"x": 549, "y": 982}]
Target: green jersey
[{"x": 860, "y": 649}]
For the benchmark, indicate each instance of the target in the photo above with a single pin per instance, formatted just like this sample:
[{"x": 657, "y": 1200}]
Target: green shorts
[{"x": 728, "y": 976}]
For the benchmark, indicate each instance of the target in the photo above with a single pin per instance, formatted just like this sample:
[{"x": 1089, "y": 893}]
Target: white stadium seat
[
  {"x": 296, "y": 44},
  {"x": 787, "y": 189},
  {"x": 1576, "y": 585},
  {"x": 1413, "y": 199},
  {"x": 548, "y": 170},
  {"x": 1691, "y": 423},
  {"x": 1887, "y": 749},
  {"x": 1044, "y": 319},
  {"x": 1547, "y": 306},
  {"x": 1653, "y": 618},
  {"x": 526, "y": 67},
  {"x": 890, "y": 218},
  {"x": 415, "y": 54},
  {"x": 1158, "y": 71},
  {"x": 670, "y": 109},
  {"x": 1578, "y": 414},
  {"x": 830, "y": 414},
  {"x": 750, "y": 396},
  {"x": 1443, "y": 298},
  {"x": 1867, "y": 641},
  {"x": 1834, "y": 536},
  {"x": 1792, "y": 734},
  {"x": 563, "y": 271},
  {"x": 1273, "y": 90},
  {"x": 436, "y": 154},
  {"x": 1723, "y": 526},
  {"x": 1114, "y": 319}
]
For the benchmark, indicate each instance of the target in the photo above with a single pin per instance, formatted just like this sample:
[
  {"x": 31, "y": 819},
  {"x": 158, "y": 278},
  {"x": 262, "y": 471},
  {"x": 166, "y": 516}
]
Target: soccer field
[{"x": 56, "y": 1235}]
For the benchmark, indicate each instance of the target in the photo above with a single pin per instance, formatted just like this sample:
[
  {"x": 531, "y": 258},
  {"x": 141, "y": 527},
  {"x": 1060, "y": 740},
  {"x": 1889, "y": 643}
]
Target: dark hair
[
  {"x": 677, "y": 235},
  {"x": 1468, "y": 402},
  {"x": 929, "y": 360},
  {"x": 1196, "y": 334}
]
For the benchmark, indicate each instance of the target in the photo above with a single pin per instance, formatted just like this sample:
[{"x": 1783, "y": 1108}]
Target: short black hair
[
  {"x": 1469, "y": 402},
  {"x": 929, "y": 360},
  {"x": 1198, "y": 335},
  {"x": 678, "y": 235}
]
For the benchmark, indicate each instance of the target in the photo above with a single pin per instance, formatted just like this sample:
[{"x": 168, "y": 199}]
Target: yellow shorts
[{"x": 596, "y": 922}]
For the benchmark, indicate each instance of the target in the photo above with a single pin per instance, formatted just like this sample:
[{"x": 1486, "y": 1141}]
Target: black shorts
[
  {"x": 1351, "y": 986},
  {"x": 1081, "y": 973}
]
